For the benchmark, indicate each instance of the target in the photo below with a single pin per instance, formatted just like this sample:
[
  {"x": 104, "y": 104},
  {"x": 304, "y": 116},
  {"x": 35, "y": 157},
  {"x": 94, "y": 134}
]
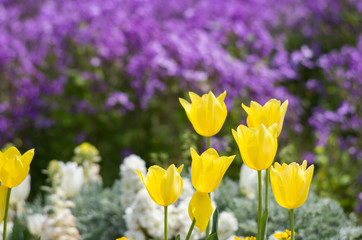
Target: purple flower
[{"x": 121, "y": 99}]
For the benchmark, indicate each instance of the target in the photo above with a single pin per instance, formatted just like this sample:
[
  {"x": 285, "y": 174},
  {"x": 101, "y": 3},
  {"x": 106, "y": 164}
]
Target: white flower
[
  {"x": 21, "y": 192},
  {"x": 249, "y": 181},
  {"x": 133, "y": 162},
  {"x": 143, "y": 213},
  {"x": 155, "y": 226},
  {"x": 187, "y": 189},
  {"x": 182, "y": 220},
  {"x": 60, "y": 225},
  {"x": 130, "y": 182},
  {"x": 135, "y": 234},
  {"x": 228, "y": 224},
  {"x": 130, "y": 218},
  {"x": 72, "y": 179},
  {"x": 9, "y": 228},
  {"x": 93, "y": 173},
  {"x": 35, "y": 223}
]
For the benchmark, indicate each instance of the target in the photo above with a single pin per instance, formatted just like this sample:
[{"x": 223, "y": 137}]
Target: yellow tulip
[
  {"x": 272, "y": 112},
  {"x": 207, "y": 113},
  {"x": 247, "y": 238},
  {"x": 257, "y": 146},
  {"x": 14, "y": 167},
  {"x": 163, "y": 186},
  {"x": 208, "y": 169},
  {"x": 290, "y": 183},
  {"x": 123, "y": 238},
  {"x": 283, "y": 235},
  {"x": 3, "y": 195},
  {"x": 200, "y": 208}
]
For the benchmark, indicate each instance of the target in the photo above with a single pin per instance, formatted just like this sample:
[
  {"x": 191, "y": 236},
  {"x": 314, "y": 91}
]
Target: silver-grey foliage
[{"x": 317, "y": 219}]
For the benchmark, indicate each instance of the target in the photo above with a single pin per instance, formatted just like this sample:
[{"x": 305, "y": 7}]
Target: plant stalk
[
  {"x": 260, "y": 199},
  {"x": 165, "y": 228},
  {"x": 208, "y": 142},
  {"x": 208, "y": 139},
  {"x": 191, "y": 229},
  {"x": 6, "y": 212},
  {"x": 292, "y": 223},
  {"x": 266, "y": 204}
]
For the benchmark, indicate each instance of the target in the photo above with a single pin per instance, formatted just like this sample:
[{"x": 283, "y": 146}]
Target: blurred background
[{"x": 111, "y": 72}]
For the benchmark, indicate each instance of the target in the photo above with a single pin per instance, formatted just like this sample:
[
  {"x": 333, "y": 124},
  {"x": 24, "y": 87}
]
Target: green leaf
[
  {"x": 264, "y": 220},
  {"x": 20, "y": 232},
  {"x": 215, "y": 221},
  {"x": 212, "y": 236},
  {"x": 178, "y": 237}
]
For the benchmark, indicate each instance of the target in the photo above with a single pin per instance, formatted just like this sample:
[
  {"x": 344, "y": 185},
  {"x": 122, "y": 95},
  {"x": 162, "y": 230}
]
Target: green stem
[
  {"x": 6, "y": 212},
  {"x": 165, "y": 229},
  {"x": 208, "y": 139},
  {"x": 266, "y": 204},
  {"x": 191, "y": 229},
  {"x": 259, "y": 205},
  {"x": 292, "y": 223}
]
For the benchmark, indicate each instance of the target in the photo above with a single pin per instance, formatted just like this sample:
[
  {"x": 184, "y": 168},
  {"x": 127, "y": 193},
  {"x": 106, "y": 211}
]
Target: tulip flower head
[
  {"x": 123, "y": 238},
  {"x": 257, "y": 146},
  {"x": 200, "y": 208},
  {"x": 207, "y": 113},
  {"x": 247, "y": 238},
  {"x": 163, "y": 186},
  {"x": 290, "y": 183},
  {"x": 283, "y": 235},
  {"x": 208, "y": 169},
  {"x": 14, "y": 167},
  {"x": 272, "y": 112}
]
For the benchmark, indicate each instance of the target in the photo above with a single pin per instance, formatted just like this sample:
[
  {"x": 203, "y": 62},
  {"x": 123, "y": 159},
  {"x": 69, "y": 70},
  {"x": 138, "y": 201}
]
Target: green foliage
[
  {"x": 215, "y": 223},
  {"x": 317, "y": 219},
  {"x": 335, "y": 177},
  {"x": 20, "y": 231},
  {"x": 99, "y": 212}
]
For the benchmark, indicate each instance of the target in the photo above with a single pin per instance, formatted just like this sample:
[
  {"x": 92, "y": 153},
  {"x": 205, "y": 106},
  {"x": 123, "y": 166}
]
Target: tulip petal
[
  {"x": 210, "y": 154},
  {"x": 194, "y": 98},
  {"x": 14, "y": 167},
  {"x": 179, "y": 169},
  {"x": 221, "y": 97},
  {"x": 28, "y": 156},
  {"x": 13, "y": 172},
  {"x": 290, "y": 184},
  {"x": 260, "y": 148},
  {"x": 12, "y": 152},
  {"x": 186, "y": 105},
  {"x": 3, "y": 197},
  {"x": 153, "y": 180},
  {"x": 304, "y": 165},
  {"x": 277, "y": 166},
  {"x": 141, "y": 176},
  {"x": 200, "y": 208},
  {"x": 208, "y": 169},
  {"x": 207, "y": 113},
  {"x": 283, "y": 110},
  {"x": 171, "y": 186},
  {"x": 272, "y": 112},
  {"x": 276, "y": 181},
  {"x": 246, "y": 108},
  {"x": 164, "y": 187}
]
